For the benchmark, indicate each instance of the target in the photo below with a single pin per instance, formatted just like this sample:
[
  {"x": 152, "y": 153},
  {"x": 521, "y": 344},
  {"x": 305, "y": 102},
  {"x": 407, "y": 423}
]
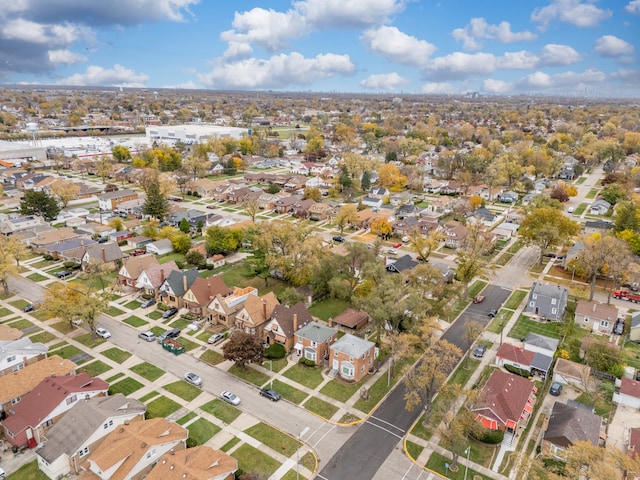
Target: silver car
[{"x": 193, "y": 379}]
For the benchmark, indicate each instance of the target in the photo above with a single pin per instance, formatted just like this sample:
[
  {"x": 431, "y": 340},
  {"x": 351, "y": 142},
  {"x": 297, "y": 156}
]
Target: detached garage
[{"x": 160, "y": 247}]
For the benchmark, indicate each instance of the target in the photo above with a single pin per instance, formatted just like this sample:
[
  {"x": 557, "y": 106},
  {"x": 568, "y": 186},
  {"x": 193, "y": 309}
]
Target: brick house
[
  {"x": 132, "y": 268},
  {"x": 110, "y": 201},
  {"x": 352, "y": 357},
  {"x": 202, "y": 292},
  {"x": 152, "y": 277},
  {"x": 196, "y": 463},
  {"x": 223, "y": 310},
  {"x": 176, "y": 285},
  {"x": 29, "y": 419},
  {"x": 284, "y": 322},
  {"x": 313, "y": 341},
  {"x": 255, "y": 313},
  {"x": 106, "y": 255}
]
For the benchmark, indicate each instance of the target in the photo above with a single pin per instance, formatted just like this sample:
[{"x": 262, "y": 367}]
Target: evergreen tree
[
  {"x": 230, "y": 167},
  {"x": 156, "y": 204},
  {"x": 41, "y": 204},
  {"x": 184, "y": 225},
  {"x": 366, "y": 181}
]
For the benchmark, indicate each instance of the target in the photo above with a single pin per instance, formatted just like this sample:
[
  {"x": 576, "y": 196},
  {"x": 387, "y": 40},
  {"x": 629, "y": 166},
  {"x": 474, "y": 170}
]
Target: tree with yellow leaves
[
  {"x": 389, "y": 176},
  {"x": 381, "y": 226}
]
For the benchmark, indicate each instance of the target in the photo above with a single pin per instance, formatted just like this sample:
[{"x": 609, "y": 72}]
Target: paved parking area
[{"x": 618, "y": 431}]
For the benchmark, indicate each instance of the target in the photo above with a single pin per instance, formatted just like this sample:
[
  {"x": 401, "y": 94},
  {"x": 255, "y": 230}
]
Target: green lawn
[
  {"x": 114, "y": 311},
  {"x": 186, "y": 418},
  {"x": 88, "y": 340},
  {"x": 4, "y": 311},
  {"x": 115, "y": 377},
  {"x": 184, "y": 390},
  {"x": 148, "y": 396},
  {"x": 307, "y": 376},
  {"x": 28, "y": 471},
  {"x": 250, "y": 459},
  {"x": 525, "y": 325},
  {"x": 21, "y": 324},
  {"x": 341, "y": 391},
  {"x": 414, "y": 449},
  {"x": 222, "y": 410},
  {"x": 290, "y": 393},
  {"x": 154, "y": 315},
  {"x": 148, "y": 371},
  {"x": 95, "y": 368},
  {"x": 230, "y": 444},
  {"x": 126, "y": 386},
  {"x": 43, "y": 264},
  {"x": 132, "y": 305},
  {"x": 37, "y": 277},
  {"x": 320, "y": 407},
  {"x": 188, "y": 344},
  {"x": 68, "y": 351},
  {"x": 328, "y": 308},
  {"x": 135, "y": 321},
  {"x": 117, "y": 355},
  {"x": 212, "y": 357},
  {"x": 202, "y": 430},
  {"x": 161, "y": 407},
  {"x": 293, "y": 475},
  {"x": 514, "y": 301},
  {"x": 20, "y": 303},
  {"x": 437, "y": 463},
  {"x": 178, "y": 257},
  {"x": 42, "y": 336},
  {"x": 277, "y": 440},
  {"x": 180, "y": 323},
  {"x": 250, "y": 375}
]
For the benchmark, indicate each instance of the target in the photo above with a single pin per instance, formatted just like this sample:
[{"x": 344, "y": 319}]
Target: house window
[
  {"x": 313, "y": 344},
  {"x": 534, "y": 296},
  {"x": 108, "y": 424},
  {"x": 222, "y": 318},
  {"x": 47, "y": 424},
  {"x": 554, "y": 310},
  {"x": 83, "y": 452},
  {"x": 553, "y": 301},
  {"x": 17, "y": 367},
  {"x": 72, "y": 399},
  {"x": 10, "y": 359},
  {"x": 310, "y": 354},
  {"x": 15, "y": 400},
  {"x": 604, "y": 323},
  {"x": 532, "y": 304},
  {"x": 346, "y": 369},
  {"x": 172, "y": 298},
  {"x": 586, "y": 319}
]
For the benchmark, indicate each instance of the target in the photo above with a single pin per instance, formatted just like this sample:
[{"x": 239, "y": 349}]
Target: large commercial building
[
  {"x": 15, "y": 153},
  {"x": 190, "y": 134}
]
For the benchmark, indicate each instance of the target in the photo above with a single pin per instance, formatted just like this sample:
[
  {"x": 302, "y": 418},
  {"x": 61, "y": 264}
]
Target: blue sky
[{"x": 548, "y": 47}]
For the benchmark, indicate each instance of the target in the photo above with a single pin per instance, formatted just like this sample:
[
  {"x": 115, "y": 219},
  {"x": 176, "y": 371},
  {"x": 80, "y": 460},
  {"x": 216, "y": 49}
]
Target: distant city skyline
[{"x": 541, "y": 47}]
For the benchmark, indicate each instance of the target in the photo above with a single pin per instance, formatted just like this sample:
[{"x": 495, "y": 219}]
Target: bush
[
  {"x": 209, "y": 266},
  {"x": 47, "y": 257},
  {"x": 492, "y": 437},
  {"x": 275, "y": 351},
  {"x": 191, "y": 443},
  {"x": 518, "y": 371},
  {"x": 180, "y": 264},
  {"x": 306, "y": 362},
  {"x": 70, "y": 265}
]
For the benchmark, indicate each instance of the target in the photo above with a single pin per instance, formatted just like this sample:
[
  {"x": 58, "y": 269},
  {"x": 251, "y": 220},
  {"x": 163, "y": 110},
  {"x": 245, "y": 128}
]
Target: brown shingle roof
[
  {"x": 197, "y": 463},
  {"x": 205, "y": 289},
  {"x": 284, "y": 316},
  {"x": 572, "y": 369},
  {"x": 257, "y": 307},
  {"x": 515, "y": 354},
  {"x": 630, "y": 387},
  {"x": 158, "y": 273},
  {"x": 8, "y": 333},
  {"x": 504, "y": 396},
  {"x": 136, "y": 265},
  {"x": 23, "y": 381},
  {"x": 601, "y": 311},
  {"x": 350, "y": 318}
]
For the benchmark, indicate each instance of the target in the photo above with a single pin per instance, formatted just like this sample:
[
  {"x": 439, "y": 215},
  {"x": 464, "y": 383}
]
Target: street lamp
[
  {"x": 466, "y": 467},
  {"x": 300, "y": 435},
  {"x": 271, "y": 370}
]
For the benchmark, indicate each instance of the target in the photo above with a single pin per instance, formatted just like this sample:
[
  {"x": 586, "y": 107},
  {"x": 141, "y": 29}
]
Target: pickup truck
[{"x": 478, "y": 299}]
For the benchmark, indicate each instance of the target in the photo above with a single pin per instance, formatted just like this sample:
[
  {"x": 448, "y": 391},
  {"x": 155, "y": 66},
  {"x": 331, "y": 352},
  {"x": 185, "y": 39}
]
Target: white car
[
  {"x": 193, "y": 379},
  {"x": 103, "y": 332},
  {"x": 230, "y": 397},
  {"x": 570, "y": 210}
]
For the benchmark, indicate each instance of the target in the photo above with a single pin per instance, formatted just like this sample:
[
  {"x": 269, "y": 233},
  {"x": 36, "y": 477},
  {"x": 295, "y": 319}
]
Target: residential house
[
  {"x": 313, "y": 340},
  {"x": 20, "y": 353},
  {"x": 403, "y": 227},
  {"x": 506, "y": 401},
  {"x": 568, "y": 425},
  {"x": 43, "y": 406},
  {"x": 351, "y": 320},
  {"x": 378, "y": 192},
  {"x": 285, "y": 204},
  {"x": 120, "y": 236},
  {"x": 409, "y": 210},
  {"x": 131, "y": 451},
  {"x": 196, "y": 463},
  {"x": 267, "y": 201},
  {"x": 13, "y": 225},
  {"x": 535, "y": 342},
  {"x": 596, "y": 226},
  {"x": 202, "y": 291},
  {"x": 255, "y": 313},
  {"x": 176, "y": 285},
  {"x": 110, "y": 201},
  {"x": 51, "y": 237},
  {"x": 320, "y": 211},
  {"x": 82, "y": 429},
  {"x": 152, "y": 277},
  {"x": 373, "y": 202},
  {"x": 300, "y": 209},
  {"x": 547, "y": 301},
  {"x": 132, "y": 268},
  {"x": 352, "y": 357},
  {"x": 508, "y": 197},
  {"x": 9, "y": 333},
  {"x": 204, "y": 187},
  {"x": 455, "y": 234},
  {"x": 629, "y": 393},
  {"x": 402, "y": 264},
  {"x": 284, "y": 323},
  {"x": 224, "y": 309},
  {"x": 218, "y": 260},
  {"x": 160, "y": 247},
  {"x": 634, "y": 331},
  {"x": 597, "y": 317},
  {"x": 107, "y": 256},
  {"x": 505, "y": 231},
  {"x": 483, "y": 216},
  {"x": 438, "y": 207},
  {"x": 295, "y": 183},
  {"x": 527, "y": 360},
  {"x": 238, "y": 195},
  {"x": 571, "y": 373},
  {"x": 68, "y": 249},
  {"x": 599, "y": 207}
]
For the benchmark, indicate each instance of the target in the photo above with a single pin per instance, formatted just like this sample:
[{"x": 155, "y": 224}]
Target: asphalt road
[{"x": 368, "y": 448}]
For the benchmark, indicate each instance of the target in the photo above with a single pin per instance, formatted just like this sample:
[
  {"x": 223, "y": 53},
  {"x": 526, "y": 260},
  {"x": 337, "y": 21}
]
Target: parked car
[
  {"x": 148, "y": 302},
  {"x": 570, "y": 210},
  {"x": 493, "y": 312},
  {"x": 139, "y": 251},
  {"x": 103, "y": 332},
  {"x": 618, "y": 328},
  {"x": 230, "y": 397},
  {"x": 63, "y": 274},
  {"x": 215, "y": 338},
  {"x": 549, "y": 255},
  {"x": 29, "y": 308},
  {"x": 556, "y": 389},
  {"x": 270, "y": 394},
  {"x": 478, "y": 299},
  {"x": 193, "y": 379},
  {"x": 338, "y": 239},
  {"x": 397, "y": 245},
  {"x": 147, "y": 336},
  {"x": 170, "y": 313},
  {"x": 478, "y": 352},
  {"x": 103, "y": 240},
  {"x": 173, "y": 333}
]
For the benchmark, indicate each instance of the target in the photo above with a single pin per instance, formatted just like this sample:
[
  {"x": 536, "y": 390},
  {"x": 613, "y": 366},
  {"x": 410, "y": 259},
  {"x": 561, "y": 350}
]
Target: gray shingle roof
[
  {"x": 568, "y": 425},
  {"x": 541, "y": 341},
  {"x": 352, "y": 345},
  {"x": 316, "y": 332}
]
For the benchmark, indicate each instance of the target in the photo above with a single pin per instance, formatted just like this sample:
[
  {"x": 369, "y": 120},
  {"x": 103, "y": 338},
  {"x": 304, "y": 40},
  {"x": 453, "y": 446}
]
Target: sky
[{"x": 535, "y": 47}]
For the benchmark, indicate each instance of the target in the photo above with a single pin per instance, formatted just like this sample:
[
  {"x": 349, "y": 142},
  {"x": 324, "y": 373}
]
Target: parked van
[{"x": 173, "y": 333}]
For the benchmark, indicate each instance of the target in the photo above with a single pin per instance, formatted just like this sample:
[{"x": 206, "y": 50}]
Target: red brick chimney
[
  {"x": 295, "y": 322},
  {"x": 264, "y": 308},
  {"x": 104, "y": 256},
  {"x": 161, "y": 275}
]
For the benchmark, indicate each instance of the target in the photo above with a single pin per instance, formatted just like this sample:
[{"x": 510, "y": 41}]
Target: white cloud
[
  {"x": 321, "y": 14},
  {"x": 279, "y": 71},
  {"x": 565, "y": 82},
  {"x": 190, "y": 85},
  {"x": 396, "y": 46},
  {"x": 626, "y": 75},
  {"x": 521, "y": 60},
  {"x": 237, "y": 50},
  {"x": 496, "y": 86},
  {"x": 118, "y": 76},
  {"x": 460, "y": 65},
  {"x": 435, "y": 88},
  {"x": 633, "y": 7},
  {"x": 386, "y": 81},
  {"x": 570, "y": 11},
  {"x": 479, "y": 29},
  {"x": 612, "y": 46},
  {"x": 65, "y": 57},
  {"x": 32, "y": 32},
  {"x": 557, "y": 55},
  {"x": 270, "y": 29}
]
